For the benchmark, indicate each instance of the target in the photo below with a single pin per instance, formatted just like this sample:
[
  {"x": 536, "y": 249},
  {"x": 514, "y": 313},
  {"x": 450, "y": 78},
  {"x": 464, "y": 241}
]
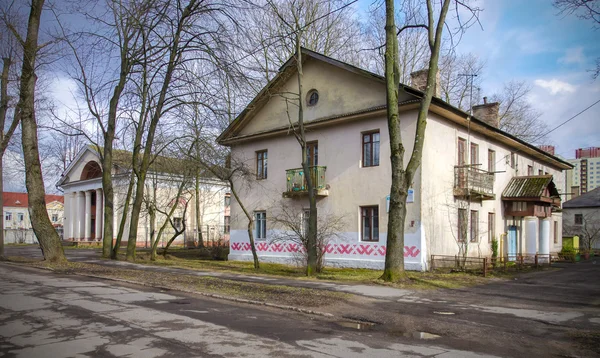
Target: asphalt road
[
  {"x": 48, "y": 315},
  {"x": 538, "y": 314}
]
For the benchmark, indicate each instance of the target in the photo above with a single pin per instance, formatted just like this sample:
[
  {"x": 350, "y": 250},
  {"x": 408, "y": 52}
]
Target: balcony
[
  {"x": 472, "y": 182},
  {"x": 296, "y": 182}
]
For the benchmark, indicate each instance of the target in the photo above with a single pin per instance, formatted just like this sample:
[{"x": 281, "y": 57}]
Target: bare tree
[
  {"x": 47, "y": 235},
  {"x": 586, "y": 10},
  {"x": 517, "y": 116},
  {"x": 402, "y": 177},
  {"x": 294, "y": 224},
  {"x": 588, "y": 230}
]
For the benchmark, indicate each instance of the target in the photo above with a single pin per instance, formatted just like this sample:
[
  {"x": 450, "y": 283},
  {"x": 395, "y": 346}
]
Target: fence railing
[
  {"x": 484, "y": 265},
  {"x": 296, "y": 179}
]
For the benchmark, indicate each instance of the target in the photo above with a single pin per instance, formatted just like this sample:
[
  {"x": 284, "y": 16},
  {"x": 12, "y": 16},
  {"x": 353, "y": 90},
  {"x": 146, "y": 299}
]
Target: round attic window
[{"x": 312, "y": 97}]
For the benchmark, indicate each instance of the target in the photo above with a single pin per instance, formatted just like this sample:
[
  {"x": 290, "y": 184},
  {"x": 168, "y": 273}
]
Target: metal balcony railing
[
  {"x": 469, "y": 180},
  {"x": 296, "y": 179}
]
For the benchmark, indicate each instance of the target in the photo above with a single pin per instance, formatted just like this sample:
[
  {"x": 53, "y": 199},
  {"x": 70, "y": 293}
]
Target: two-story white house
[
  {"x": 476, "y": 182},
  {"x": 17, "y": 222}
]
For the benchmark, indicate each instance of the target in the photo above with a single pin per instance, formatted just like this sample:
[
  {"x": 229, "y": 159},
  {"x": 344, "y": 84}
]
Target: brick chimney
[
  {"x": 418, "y": 80},
  {"x": 487, "y": 112},
  {"x": 547, "y": 148}
]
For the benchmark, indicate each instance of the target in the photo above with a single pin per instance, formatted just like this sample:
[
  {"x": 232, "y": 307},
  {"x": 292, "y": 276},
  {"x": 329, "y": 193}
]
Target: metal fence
[{"x": 484, "y": 265}]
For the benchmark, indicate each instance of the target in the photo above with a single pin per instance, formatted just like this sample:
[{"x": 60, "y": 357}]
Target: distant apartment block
[{"x": 585, "y": 176}]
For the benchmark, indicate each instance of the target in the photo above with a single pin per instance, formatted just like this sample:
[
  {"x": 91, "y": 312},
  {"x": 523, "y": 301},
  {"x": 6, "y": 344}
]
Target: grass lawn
[{"x": 198, "y": 259}]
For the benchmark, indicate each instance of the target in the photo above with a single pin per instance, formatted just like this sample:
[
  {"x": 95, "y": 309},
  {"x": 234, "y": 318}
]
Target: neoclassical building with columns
[{"x": 83, "y": 201}]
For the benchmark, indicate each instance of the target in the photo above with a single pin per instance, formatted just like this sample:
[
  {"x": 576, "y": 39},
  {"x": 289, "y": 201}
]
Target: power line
[{"x": 558, "y": 126}]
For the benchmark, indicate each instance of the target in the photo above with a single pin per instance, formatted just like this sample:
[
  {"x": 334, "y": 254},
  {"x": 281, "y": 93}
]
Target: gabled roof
[
  {"x": 529, "y": 187},
  {"x": 21, "y": 200},
  {"x": 590, "y": 199},
  {"x": 288, "y": 69}
]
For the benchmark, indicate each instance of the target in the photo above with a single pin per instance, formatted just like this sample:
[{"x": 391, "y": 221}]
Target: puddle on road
[
  {"x": 422, "y": 335},
  {"x": 361, "y": 326}
]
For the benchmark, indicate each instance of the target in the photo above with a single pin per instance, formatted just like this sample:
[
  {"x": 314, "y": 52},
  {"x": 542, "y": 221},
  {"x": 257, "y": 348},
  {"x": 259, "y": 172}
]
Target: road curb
[{"x": 212, "y": 295}]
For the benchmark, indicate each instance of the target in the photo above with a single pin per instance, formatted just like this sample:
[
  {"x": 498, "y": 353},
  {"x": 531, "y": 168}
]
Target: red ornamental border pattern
[{"x": 335, "y": 249}]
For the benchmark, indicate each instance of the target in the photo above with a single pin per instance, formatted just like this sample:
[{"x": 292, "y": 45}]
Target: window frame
[
  {"x": 315, "y": 150},
  {"x": 52, "y": 218},
  {"x": 260, "y": 223},
  {"x": 461, "y": 146},
  {"x": 491, "y": 226},
  {"x": 578, "y": 219},
  {"x": 463, "y": 225},
  {"x": 474, "y": 227},
  {"x": 262, "y": 159},
  {"x": 372, "y": 216},
  {"x": 8, "y": 216},
  {"x": 491, "y": 160},
  {"x": 371, "y": 144},
  {"x": 555, "y": 231},
  {"x": 227, "y": 200},
  {"x": 309, "y": 97},
  {"x": 226, "y": 224},
  {"x": 474, "y": 153},
  {"x": 529, "y": 170}
]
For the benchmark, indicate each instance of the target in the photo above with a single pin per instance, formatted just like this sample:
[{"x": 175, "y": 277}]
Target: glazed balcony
[
  {"x": 473, "y": 182},
  {"x": 296, "y": 182}
]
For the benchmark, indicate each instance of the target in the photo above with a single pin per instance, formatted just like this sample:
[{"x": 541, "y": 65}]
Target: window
[
  {"x": 513, "y": 160},
  {"x": 370, "y": 149},
  {"x": 540, "y": 172},
  {"x": 261, "y": 164},
  {"x": 462, "y": 152},
  {"x": 305, "y": 216},
  {"x": 491, "y": 227},
  {"x": 21, "y": 217},
  {"x": 474, "y": 154},
  {"x": 462, "y": 225},
  {"x": 8, "y": 216},
  {"x": 529, "y": 170},
  {"x": 519, "y": 206},
  {"x": 226, "y": 224},
  {"x": 578, "y": 219},
  {"x": 474, "y": 234},
  {"x": 312, "y": 97},
  {"x": 556, "y": 232},
  {"x": 491, "y": 161},
  {"x": 227, "y": 200},
  {"x": 369, "y": 223},
  {"x": 54, "y": 217},
  {"x": 260, "y": 225}
]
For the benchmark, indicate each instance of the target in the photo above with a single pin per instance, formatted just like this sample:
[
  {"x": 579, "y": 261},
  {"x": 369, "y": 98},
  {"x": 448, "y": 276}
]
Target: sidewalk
[{"x": 373, "y": 291}]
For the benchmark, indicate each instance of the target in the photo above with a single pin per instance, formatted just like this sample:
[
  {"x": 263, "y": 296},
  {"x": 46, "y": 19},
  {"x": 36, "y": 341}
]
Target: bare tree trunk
[
  {"x": 250, "y": 224},
  {"x": 198, "y": 216},
  {"x": 401, "y": 178},
  {"x": 3, "y": 110},
  {"x": 115, "y": 249},
  {"x": 45, "y": 232},
  {"x": 311, "y": 264}
]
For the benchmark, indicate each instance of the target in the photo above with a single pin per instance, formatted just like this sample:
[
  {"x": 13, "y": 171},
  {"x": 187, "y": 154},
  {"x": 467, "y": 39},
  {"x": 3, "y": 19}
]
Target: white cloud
[
  {"x": 573, "y": 55},
  {"x": 555, "y": 86}
]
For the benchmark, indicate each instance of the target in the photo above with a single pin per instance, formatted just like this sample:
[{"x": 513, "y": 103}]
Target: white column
[
  {"x": 545, "y": 236},
  {"x": 67, "y": 217},
  {"x": 99, "y": 216},
  {"x": 531, "y": 235},
  {"x": 72, "y": 199},
  {"x": 88, "y": 214},
  {"x": 80, "y": 215}
]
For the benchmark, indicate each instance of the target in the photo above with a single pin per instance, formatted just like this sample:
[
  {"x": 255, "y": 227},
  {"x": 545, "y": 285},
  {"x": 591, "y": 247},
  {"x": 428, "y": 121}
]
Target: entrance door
[{"x": 511, "y": 246}]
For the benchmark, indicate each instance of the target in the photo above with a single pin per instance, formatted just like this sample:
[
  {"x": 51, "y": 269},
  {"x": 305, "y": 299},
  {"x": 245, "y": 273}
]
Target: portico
[{"x": 83, "y": 220}]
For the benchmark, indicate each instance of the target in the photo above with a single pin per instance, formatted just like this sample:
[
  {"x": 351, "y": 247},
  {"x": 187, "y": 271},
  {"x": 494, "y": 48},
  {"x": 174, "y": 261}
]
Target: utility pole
[{"x": 469, "y": 78}]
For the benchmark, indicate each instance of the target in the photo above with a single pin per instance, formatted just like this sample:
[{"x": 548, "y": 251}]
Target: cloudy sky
[
  {"x": 528, "y": 40},
  {"x": 523, "y": 40}
]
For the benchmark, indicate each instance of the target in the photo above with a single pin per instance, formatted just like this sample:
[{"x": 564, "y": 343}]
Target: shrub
[{"x": 219, "y": 253}]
